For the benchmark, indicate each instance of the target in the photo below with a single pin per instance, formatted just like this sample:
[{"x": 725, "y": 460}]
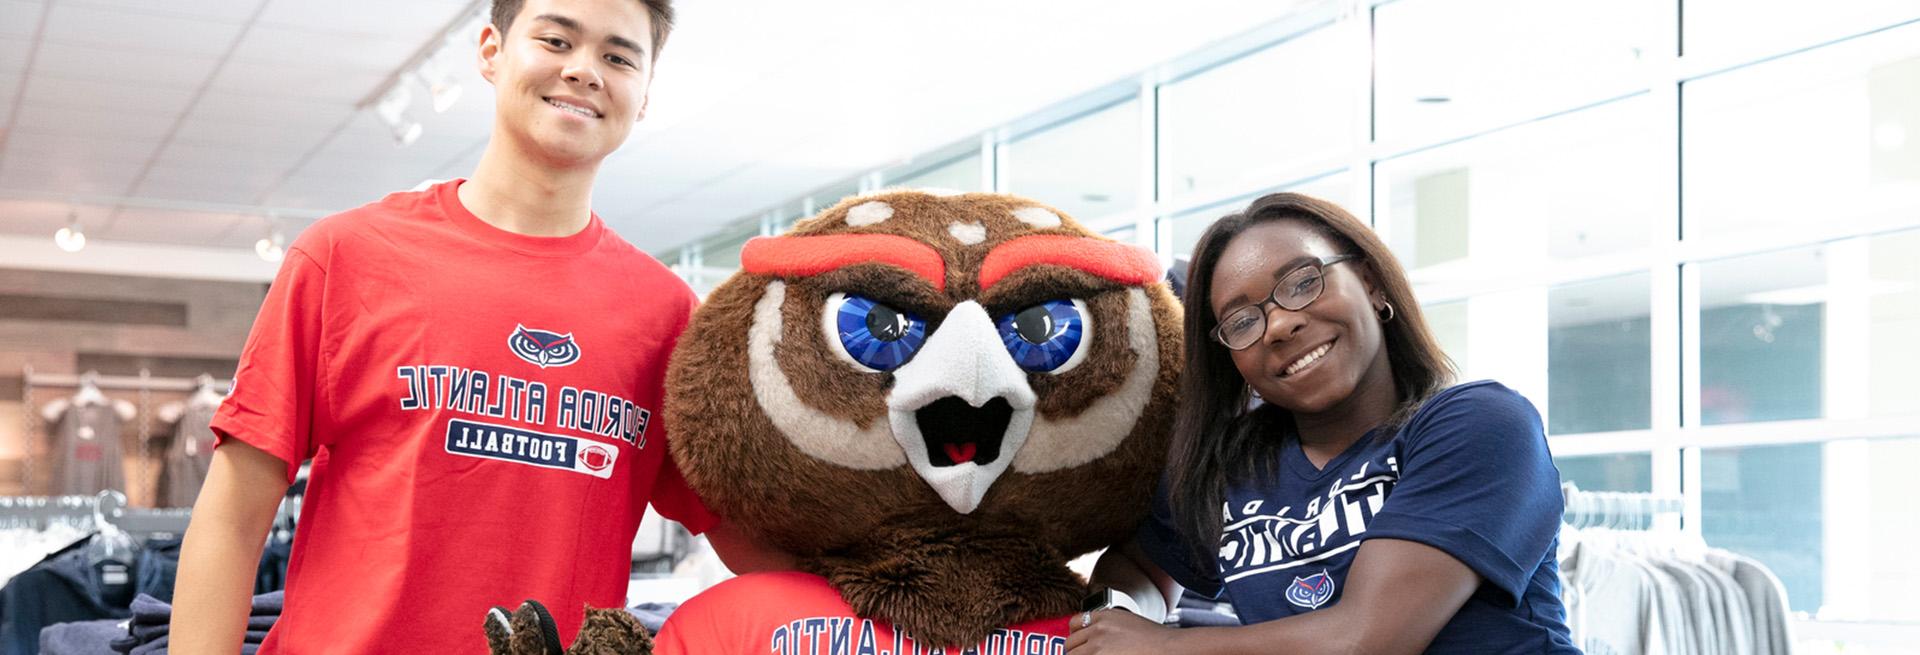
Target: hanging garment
[
  {"x": 68, "y": 586},
  {"x": 85, "y": 453},
  {"x": 189, "y": 456}
]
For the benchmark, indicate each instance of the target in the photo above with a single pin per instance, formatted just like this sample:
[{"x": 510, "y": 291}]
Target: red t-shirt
[
  {"x": 483, "y": 412},
  {"x": 792, "y": 613}
]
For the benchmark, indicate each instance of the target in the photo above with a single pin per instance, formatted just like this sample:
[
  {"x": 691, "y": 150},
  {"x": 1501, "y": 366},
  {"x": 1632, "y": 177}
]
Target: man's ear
[
  {"x": 489, "y": 51},
  {"x": 643, "y": 105}
]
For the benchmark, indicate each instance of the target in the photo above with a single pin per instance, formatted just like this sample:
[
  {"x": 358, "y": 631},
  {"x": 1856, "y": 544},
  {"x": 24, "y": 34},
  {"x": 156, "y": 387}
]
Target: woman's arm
[{"x": 1399, "y": 595}]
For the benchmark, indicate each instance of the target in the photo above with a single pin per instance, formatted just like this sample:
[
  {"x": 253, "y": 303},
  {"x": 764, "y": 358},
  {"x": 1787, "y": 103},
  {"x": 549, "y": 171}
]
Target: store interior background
[{"x": 1689, "y": 230}]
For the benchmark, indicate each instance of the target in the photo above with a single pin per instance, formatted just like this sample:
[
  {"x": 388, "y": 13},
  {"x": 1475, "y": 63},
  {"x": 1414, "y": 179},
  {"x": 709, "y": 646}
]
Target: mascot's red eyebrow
[
  {"x": 1115, "y": 261},
  {"x": 812, "y": 255}
]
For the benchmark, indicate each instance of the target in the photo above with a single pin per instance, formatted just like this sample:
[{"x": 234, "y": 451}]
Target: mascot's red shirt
[
  {"x": 794, "y": 613},
  {"x": 482, "y": 409}
]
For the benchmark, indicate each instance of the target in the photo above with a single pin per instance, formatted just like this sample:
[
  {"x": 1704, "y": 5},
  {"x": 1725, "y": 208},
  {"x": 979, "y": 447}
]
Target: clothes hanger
[{"x": 89, "y": 392}]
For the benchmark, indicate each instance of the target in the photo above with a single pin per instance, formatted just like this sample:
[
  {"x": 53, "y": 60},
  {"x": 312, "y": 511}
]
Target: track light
[
  {"x": 392, "y": 110},
  {"x": 440, "y": 83},
  {"x": 70, "y": 238},
  {"x": 271, "y": 247}
]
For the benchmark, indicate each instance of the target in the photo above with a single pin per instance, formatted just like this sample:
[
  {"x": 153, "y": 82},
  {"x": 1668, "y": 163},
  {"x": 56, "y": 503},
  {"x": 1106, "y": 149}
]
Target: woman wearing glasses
[{"x": 1364, "y": 505}]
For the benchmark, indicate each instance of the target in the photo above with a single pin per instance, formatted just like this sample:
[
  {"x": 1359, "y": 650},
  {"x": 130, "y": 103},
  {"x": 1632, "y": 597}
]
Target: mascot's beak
[{"x": 961, "y": 409}]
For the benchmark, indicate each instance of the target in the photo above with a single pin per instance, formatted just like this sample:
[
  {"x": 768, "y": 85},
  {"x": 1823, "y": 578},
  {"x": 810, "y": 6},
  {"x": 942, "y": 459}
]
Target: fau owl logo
[
  {"x": 1312, "y": 591},
  {"x": 542, "y": 348}
]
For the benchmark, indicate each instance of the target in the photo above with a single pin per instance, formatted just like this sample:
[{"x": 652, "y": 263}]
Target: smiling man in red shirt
[{"x": 474, "y": 369}]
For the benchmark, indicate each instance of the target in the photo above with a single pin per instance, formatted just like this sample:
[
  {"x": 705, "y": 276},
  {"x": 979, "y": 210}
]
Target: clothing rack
[
  {"x": 1617, "y": 509},
  {"x": 143, "y": 383},
  {"x": 110, "y": 506},
  {"x": 120, "y": 382}
]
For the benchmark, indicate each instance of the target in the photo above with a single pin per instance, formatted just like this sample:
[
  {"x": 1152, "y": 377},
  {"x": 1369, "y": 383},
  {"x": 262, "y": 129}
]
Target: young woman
[{"x": 1365, "y": 506}]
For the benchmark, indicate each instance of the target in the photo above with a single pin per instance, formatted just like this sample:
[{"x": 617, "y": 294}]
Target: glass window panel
[
  {"x": 1762, "y": 337},
  {"x": 1581, "y": 184},
  {"x": 827, "y": 198},
  {"x": 1727, "y": 30},
  {"x": 1630, "y": 472},
  {"x": 1829, "y": 136},
  {"x": 1599, "y": 356},
  {"x": 1893, "y": 320},
  {"x": 1448, "y": 321},
  {"x": 1499, "y": 335},
  {"x": 1444, "y": 68},
  {"x": 1257, "y": 119},
  {"x": 722, "y": 251},
  {"x": 1188, "y": 226},
  {"x": 961, "y": 174},
  {"x": 1834, "y": 521},
  {"x": 1088, "y": 167}
]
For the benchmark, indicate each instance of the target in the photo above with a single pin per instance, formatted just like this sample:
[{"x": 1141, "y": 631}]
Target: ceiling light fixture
[
  {"x": 429, "y": 66},
  {"x": 440, "y": 83},
  {"x": 392, "y": 110},
  {"x": 271, "y": 247},
  {"x": 70, "y": 238}
]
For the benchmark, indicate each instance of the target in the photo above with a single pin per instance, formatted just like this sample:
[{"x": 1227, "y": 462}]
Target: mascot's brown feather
[{"x": 887, "y": 541}]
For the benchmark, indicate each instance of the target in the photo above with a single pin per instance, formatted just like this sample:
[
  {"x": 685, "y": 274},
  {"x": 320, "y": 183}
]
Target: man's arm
[{"x": 221, "y": 552}]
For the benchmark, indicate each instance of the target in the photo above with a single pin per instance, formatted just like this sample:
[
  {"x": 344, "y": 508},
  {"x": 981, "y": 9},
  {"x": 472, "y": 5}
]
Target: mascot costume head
[{"x": 934, "y": 401}]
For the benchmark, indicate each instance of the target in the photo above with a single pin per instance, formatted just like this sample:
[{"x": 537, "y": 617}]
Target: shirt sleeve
[
  {"x": 1160, "y": 538},
  {"x": 670, "y": 494},
  {"x": 1477, "y": 481},
  {"x": 675, "y": 500},
  {"x": 272, "y": 403}
]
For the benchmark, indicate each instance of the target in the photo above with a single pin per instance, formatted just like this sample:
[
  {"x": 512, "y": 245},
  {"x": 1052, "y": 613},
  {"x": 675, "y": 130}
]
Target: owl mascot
[{"x": 934, "y": 401}]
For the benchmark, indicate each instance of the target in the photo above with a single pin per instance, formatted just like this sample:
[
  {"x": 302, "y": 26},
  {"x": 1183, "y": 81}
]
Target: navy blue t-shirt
[{"x": 1468, "y": 474}]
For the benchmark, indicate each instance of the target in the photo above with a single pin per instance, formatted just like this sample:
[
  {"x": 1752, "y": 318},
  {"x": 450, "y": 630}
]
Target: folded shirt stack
[{"x": 147, "y": 630}]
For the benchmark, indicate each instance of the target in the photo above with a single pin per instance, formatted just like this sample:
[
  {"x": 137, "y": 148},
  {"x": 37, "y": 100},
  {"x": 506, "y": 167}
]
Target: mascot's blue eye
[
  {"x": 871, "y": 334},
  {"x": 1050, "y": 337}
]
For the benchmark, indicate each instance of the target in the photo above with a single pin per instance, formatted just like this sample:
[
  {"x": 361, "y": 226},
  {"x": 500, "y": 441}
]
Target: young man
[{"x": 475, "y": 371}]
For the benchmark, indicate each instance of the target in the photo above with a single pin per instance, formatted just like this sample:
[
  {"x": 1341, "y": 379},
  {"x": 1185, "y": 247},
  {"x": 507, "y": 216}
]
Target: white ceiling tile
[
  {"x": 104, "y": 178},
  {"x": 248, "y": 158},
  {"x": 226, "y": 11},
  {"x": 412, "y": 20},
  {"x": 9, "y": 88},
  {"x": 262, "y": 109},
  {"x": 203, "y": 185},
  {"x": 281, "y": 45},
  {"x": 51, "y": 147},
  {"x": 115, "y": 65},
  {"x": 126, "y": 97},
  {"x": 277, "y": 138},
  {"x": 13, "y": 54},
  {"x": 97, "y": 123},
  {"x": 317, "y": 82},
  {"x": 19, "y": 18},
  {"x": 336, "y": 193},
  {"x": 120, "y": 29}
]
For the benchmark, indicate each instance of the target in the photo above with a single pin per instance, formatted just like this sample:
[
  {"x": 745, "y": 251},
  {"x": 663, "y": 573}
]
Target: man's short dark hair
[{"x": 659, "y": 11}]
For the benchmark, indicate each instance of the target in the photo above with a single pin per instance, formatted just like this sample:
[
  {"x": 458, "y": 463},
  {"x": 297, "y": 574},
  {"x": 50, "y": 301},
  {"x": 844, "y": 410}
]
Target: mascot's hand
[
  {"x": 530, "y": 630},
  {"x": 1120, "y": 632}
]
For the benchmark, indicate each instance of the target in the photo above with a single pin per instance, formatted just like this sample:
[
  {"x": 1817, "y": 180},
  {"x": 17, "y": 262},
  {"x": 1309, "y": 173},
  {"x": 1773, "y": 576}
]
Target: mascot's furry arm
[{"x": 529, "y": 630}]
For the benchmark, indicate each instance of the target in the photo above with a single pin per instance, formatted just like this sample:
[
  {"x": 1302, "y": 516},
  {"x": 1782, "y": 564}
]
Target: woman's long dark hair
[{"x": 1216, "y": 440}]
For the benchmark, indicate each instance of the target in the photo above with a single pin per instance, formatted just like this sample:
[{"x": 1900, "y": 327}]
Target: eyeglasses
[{"x": 1244, "y": 325}]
